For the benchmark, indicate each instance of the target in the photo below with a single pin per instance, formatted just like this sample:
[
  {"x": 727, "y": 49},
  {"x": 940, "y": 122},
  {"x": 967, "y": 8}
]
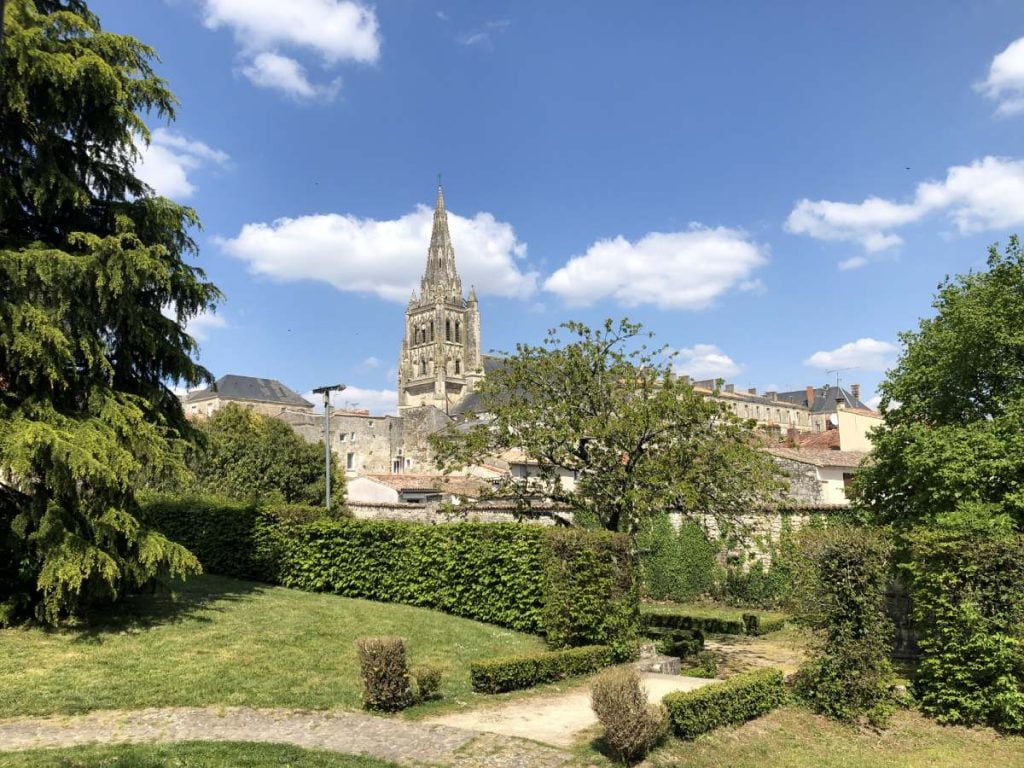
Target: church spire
[{"x": 441, "y": 278}]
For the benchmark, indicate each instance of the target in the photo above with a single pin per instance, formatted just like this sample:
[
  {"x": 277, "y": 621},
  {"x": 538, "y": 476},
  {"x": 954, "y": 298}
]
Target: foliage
[
  {"x": 590, "y": 592},
  {"x": 89, "y": 261},
  {"x": 703, "y": 665},
  {"x": 968, "y": 608},
  {"x": 709, "y": 624},
  {"x": 675, "y": 565},
  {"x": 632, "y": 727},
  {"x": 954, "y": 404},
  {"x": 387, "y": 686},
  {"x": 511, "y": 673},
  {"x": 576, "y": 587},
  {"x": 221, "y": 642},
  {"x": 427, "y": 679},
  {"x": 733, "y": 702},
  {"x": 677, "y": 642},
  {"x": 842, "y": 595},
  {"x": 600, "y": 407},
  {"x": 255, "y": 458},
  {"x": 754, "y": 624}
]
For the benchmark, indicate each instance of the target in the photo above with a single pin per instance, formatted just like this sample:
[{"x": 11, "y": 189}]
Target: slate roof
[
  {"x": 249, "y": 388},
  {"x": 825, "y": 399}
]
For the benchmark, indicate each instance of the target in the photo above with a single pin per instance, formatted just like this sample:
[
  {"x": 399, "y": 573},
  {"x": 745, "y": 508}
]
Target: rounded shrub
[{"x": 632, "y": 727}]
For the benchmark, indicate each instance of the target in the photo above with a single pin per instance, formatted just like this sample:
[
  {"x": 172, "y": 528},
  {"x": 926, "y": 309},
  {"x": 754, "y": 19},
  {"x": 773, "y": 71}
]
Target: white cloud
[
  {"x": 371, "y": 362},
  {"x": 385, "y": 258},
  {"x": 379, "y": 402},
  {"x": 987, "y": 194},
  {"x": 869, "y": 354},
  {"x": 272, "y": 70},
  {"x": 705, "y": 361},
  {"x": 672, "y": 270},
  {"x": 333, "y": 31},
  {"x": 854, "y": 262},
  {"x": 873, "y": 402},
  {"x": 198, "y": 327},
  {"x": 165, "y": 162},
  {"x": 1005, "y": 81}
]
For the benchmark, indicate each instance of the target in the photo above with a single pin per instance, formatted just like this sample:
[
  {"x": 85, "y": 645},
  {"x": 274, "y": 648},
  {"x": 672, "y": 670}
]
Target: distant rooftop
[{"x": 249, "y": 388}]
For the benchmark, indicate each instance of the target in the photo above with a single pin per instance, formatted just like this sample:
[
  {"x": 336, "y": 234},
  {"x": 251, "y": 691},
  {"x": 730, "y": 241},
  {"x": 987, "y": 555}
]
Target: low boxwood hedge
[
  {"x": 511, "y": 673},
  {"x": 735, "y": 701},
  {"x": 699, "y": 623},
  {"x": 677, "y": 642}
]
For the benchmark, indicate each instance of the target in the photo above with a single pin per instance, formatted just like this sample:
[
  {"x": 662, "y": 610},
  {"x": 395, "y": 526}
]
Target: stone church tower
[{"x": 440, "y": 361}]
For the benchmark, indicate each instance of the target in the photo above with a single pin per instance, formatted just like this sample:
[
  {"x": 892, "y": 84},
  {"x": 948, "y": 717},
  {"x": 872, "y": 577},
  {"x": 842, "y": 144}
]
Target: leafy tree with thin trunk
[
  {"x": 613, "y": 432},
  {"x": 954, "y": 405},
  {"x": 90, "y": 258}
]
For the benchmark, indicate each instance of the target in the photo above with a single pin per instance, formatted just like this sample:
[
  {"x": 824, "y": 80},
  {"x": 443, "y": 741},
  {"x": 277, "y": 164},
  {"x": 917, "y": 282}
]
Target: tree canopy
[
  {"x": 953, "y": 436},
  {"x": 90, "y": 258},
  {"x": 255, "y": 458},
  {"x": 613, "y": 431}
]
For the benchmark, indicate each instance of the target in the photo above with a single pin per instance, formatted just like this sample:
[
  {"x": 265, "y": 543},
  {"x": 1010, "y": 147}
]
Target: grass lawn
[
  {"x": 709, "y": 610},
  {"x": 223, "y": 641},
  {"x": 792, "y": 737},
  {"x": 189, "y": 754}
]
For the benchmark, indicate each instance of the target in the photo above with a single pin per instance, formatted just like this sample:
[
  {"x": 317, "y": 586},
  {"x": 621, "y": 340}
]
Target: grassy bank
[
  {"x": 196, "y": 754},
  {"x": 223, "y": 641}
]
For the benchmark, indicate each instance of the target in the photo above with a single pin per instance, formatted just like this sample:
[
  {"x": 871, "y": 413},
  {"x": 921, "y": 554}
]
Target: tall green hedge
[
  {"x": 968, "y": 608},
  {"x": 576, "y": 587},
  {"x": 676, "y": 565}
]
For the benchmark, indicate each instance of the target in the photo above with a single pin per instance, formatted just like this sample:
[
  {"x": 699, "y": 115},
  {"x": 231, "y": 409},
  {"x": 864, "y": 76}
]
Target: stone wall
[{"x": 436, "y": 514}]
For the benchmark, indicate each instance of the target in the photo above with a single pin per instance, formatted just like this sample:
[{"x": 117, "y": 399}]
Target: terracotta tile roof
[
  {"x": 818, "y": 457},
  {"x": 825, "y": 441},
  {"x": 458, "y": 485}
]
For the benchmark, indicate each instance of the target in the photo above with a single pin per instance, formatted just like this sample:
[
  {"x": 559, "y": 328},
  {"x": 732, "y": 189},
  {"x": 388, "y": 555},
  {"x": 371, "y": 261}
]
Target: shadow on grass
[{"x": 169, "y": 603}]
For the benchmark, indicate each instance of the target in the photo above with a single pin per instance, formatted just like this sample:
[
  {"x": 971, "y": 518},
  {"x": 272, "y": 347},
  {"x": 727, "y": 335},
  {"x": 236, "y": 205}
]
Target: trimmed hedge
[
  {"x": 754, "y": 625},
  {"x": 699, "y": 623},
  {"x": 577, "y": 587},
  {"x": 735, "y": 701},
  {"x": 677, "y": 642},
  {"x": 511, "y": 673}
]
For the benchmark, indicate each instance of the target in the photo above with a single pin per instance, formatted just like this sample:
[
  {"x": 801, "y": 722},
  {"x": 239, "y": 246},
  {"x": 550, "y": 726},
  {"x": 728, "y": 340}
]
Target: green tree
[
  {"x": 89, "y": 257},
  {"x": 954, "y": 404},
  {"x": 254, "y": 458},
  {"x": 604, "y": 409}
]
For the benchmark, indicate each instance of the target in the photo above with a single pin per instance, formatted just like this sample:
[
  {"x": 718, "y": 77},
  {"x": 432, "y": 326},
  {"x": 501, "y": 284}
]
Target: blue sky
[{"x": 775, "y": 189}]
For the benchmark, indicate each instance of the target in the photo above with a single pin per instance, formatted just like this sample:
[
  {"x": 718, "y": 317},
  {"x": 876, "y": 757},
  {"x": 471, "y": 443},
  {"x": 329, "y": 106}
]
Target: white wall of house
[
  {"x": 833, "y": 483},
  {"x": 854, "y": 427},
  {"x": 369, "y": 491}
]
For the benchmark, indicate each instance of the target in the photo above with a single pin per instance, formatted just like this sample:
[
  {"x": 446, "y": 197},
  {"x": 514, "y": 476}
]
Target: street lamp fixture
[{"x": 326, "y": 392}]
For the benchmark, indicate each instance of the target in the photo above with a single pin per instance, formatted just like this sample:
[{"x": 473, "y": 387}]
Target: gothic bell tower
[{"x": 440, "y": 362}]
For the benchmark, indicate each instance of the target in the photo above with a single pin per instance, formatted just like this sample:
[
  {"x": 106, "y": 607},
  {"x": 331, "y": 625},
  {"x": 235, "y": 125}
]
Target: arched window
[
  {"x": 457, "y": 334},
  {"x": 457, "y": 366},
  {"x": 431, "y": 330},
  {"x": 447, "y": 330},
  {"x": 423, "y": 366}
]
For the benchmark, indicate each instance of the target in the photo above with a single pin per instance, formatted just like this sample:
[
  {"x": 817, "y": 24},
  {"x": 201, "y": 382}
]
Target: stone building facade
[{"x": 440, "y": 361}]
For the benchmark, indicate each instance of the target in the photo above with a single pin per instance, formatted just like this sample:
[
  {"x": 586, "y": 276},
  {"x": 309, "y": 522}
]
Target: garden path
[
  {"x": 555, "y": 719},
  {"x": 400, "y": 741}
]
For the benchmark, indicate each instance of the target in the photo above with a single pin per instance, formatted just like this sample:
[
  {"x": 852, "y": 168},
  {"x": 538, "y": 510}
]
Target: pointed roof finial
[{"x": 440, "y": 195}]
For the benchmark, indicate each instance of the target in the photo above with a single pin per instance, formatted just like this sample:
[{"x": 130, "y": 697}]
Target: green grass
[
  {"x": 708, "y": 610},
  {"x": 226, "y": 642},
  {"x": 793, "y": 737},
  {"x": 189, "y": 754}
]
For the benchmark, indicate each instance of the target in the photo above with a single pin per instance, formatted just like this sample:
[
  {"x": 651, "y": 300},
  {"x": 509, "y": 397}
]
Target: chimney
[
  {"x": 855, "y": 391},
  {"x": 791, "y": 437},
  {"x": 752, "y": 391},
  {"x": 810, "y": 396},
  {"x": 730, "y": 388}
]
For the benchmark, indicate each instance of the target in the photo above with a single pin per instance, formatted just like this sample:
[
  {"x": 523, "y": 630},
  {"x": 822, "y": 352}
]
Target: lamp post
[{"x": 326, "y": 392}]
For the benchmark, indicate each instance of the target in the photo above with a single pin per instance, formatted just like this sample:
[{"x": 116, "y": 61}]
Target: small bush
[
  {"x": 428, "y": 682},
  {"x": 677, "y": 642},
  {"x": 385, "y": 671},
  {"x": 732, "y": 702},
  {"x": 703, "y": 665},
  {"x": 631, "y": 725},
  {"x": 676, "y": 565},
  {"x": 510, "y": 673}
]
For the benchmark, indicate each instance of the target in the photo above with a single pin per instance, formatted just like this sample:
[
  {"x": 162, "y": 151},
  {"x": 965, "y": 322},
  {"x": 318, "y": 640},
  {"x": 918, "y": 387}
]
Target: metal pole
[{"x": 327, "y": 445}]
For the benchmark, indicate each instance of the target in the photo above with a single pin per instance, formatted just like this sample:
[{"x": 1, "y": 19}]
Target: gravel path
[
  {"x": 400, "y": 741},
  {"x": 554, "y": 719}
]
